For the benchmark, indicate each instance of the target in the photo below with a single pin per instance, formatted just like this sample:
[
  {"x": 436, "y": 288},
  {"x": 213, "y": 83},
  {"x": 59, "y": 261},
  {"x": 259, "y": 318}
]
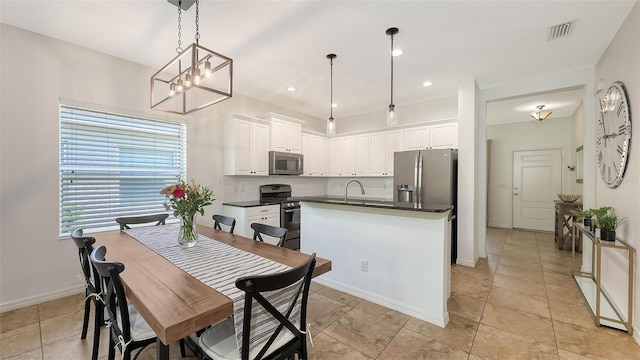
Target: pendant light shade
[
  {"x": 392, "y": 115},
  {"x": 331, "y": 122},
  {"x": 540, "y": 114}
]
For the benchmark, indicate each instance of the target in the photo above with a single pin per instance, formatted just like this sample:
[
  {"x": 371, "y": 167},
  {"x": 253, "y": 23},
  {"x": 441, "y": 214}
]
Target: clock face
[{"x": 613, "y": 135}]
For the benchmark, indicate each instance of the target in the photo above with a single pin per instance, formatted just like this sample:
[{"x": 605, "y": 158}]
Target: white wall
[
  {"x": 407, "y": 114},
  {"x": 36, "y": 72},
  {"x": 620, "y": 62},
  {"x": 553, "y": 133},
  {"x": 577, "y": 139}
]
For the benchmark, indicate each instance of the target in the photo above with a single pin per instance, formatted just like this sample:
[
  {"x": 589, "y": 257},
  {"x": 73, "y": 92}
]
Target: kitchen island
[{"x": 397, "y": 257}]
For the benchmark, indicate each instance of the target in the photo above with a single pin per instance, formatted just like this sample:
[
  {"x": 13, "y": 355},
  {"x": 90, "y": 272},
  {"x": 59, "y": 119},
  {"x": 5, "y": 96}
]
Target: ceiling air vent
[{"x": 560, "y": 31}]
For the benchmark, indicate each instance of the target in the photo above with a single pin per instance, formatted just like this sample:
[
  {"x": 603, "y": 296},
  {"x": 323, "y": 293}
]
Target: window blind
[{"x": 115, "y": 165}]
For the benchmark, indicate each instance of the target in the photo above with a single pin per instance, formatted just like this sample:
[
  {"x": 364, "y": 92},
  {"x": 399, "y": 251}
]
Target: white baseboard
[
  {"x": 499, "y": 225},
  {"x": 39, "y": 299},
  {"x": 469, "y": 263},
  {"x": 435, "y": 319},
  {"x": 636, "y": 337}
]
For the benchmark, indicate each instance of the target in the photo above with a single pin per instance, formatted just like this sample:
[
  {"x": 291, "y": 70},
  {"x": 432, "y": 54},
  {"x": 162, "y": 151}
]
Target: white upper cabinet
[
  {"x": 438, "y": 136},
  {"x": 361, "y": 155},
  {"x": 315, "y": 151},
  {"x": 349, "y": 156},
  {"x": 335, "y": 156},
  {"x": 444, "y": 136},
  {"x": 246, "y": 149},
  {"x": 286, "y": 134},
  {"x": 382, "y": 147}
]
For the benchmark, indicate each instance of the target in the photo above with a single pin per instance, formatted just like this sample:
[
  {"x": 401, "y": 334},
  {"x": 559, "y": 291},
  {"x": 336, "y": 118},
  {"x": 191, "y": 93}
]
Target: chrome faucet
[{"x": 347, "y": 187}]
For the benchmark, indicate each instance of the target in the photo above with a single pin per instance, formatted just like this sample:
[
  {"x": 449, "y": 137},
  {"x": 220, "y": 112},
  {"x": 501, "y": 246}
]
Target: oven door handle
[{"x": 290, "y": 211}]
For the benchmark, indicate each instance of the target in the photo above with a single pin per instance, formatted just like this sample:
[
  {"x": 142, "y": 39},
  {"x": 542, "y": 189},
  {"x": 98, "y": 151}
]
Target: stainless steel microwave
[{"x": 284, "y": 163}]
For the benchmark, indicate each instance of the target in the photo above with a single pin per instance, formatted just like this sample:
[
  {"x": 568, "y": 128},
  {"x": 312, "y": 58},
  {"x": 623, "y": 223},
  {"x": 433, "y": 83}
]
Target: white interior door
[{"x": 537, "y": 179}]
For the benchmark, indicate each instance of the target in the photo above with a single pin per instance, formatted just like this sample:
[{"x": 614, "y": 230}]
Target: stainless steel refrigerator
[{"x": 427, "y": 178}]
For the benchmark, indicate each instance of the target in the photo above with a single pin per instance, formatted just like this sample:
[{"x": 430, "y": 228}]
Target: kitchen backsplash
[
  {"x": 374, "y": 187},
  {"x": 245, "y": 188}
]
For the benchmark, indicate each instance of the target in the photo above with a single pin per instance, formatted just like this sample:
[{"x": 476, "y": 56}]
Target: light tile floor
[{"x": 519, "y": 303}]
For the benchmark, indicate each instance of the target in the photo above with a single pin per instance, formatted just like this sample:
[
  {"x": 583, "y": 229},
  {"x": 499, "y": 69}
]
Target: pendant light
[
  {"x": 540, "y": 114},
  {"x": 195, "y": 78},
  {"x": 331, "y": 122},
  {"x": 392, "y": 114}
]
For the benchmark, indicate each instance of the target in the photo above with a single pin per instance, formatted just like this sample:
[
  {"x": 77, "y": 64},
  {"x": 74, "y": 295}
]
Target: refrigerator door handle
[{"x": 418, "y": 179}]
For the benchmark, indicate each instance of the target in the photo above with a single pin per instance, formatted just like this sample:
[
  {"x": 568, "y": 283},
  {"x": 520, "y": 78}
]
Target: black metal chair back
[
  {"x": 116, "y": 306},
  {"x": 93, "y": 288},
  {"x": 224, "y": 220},
  {"x": 265, "y": 229},
  {"x": 125, "y": 221},
  {"x": 285, "y": 308}
]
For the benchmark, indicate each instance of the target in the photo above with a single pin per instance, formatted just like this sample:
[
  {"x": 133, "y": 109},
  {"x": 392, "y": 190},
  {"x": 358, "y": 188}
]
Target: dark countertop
[
  {"x": 374, "y": 203},
  {"x": 247, "y": 204}
]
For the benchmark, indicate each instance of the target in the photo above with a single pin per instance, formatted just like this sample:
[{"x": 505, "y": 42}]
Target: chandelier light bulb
[
  {"x": 179, "y": 85},
  {"x": 196, "y": 76},
  {"x": 172, "y": 89},
  {"x": 187, "y": 80},
  {"x": 207, "y": 69}
]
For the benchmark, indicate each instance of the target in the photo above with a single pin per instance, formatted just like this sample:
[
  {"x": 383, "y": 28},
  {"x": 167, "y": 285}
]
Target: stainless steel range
[{"x": 289, "y": 211}]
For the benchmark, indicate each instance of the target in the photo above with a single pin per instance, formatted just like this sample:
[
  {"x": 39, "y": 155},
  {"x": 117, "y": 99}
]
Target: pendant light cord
[
  {"x": 331, "y": 89},
  {"x": 179, "y": 48},
  {"x": 197, "y": 21},
  {"x": 391, "y": 69}
]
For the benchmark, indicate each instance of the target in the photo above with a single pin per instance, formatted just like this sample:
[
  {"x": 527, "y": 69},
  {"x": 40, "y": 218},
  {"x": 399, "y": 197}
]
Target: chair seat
[
  {"x": 140, "y": 329},
  {"x": 219, "y": 342}
]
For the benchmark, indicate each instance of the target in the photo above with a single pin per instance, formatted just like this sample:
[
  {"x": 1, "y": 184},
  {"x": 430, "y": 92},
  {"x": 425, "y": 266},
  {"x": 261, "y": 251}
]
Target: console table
[
  {"x": 590, "y": 284},
  {"x": 564, "y": 219}
]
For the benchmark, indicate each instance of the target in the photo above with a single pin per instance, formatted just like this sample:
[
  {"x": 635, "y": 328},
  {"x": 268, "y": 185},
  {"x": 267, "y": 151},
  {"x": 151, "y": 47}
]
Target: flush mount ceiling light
[
  {"x": 392, "y": 115},
  {"x": 540, "y": 114},
  {"x": 331, "y": 122},
  {"x": 196, "y": 78}
]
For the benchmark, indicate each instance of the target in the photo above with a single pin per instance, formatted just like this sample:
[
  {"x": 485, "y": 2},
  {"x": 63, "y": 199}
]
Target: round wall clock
[{"x": 613, "y": 135}]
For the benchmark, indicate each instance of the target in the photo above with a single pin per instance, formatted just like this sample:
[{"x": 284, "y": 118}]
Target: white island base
[{"x": 396, "y": 258}]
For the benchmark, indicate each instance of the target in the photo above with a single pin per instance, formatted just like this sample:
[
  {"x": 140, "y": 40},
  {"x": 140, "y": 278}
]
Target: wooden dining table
[{"x": 174, "y": 303}]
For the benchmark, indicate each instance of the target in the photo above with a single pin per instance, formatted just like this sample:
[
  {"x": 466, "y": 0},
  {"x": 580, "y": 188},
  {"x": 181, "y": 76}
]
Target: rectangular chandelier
[{"x": 194, "y": 79}]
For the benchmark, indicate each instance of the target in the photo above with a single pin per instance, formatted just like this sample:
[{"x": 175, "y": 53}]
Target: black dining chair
[
  {"x": 224, "y": 220},
  {"x": 93, "y": 289},
  {"x": 125, "y": 221},
  {"x": 264, "y": 229},
  {"x": 128, "y": 329},
  {"x": 275, "y": 318}
]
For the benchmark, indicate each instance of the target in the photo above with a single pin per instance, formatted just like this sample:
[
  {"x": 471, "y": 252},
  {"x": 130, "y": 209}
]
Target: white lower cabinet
[{"x": 245, "y": 216}]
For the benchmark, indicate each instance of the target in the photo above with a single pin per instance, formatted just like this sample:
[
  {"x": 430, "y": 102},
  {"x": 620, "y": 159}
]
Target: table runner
[{"x": 218, "y": 265}]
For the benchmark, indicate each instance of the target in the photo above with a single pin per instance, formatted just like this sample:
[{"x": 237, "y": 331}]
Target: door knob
[{"x": 515, "y": 194}]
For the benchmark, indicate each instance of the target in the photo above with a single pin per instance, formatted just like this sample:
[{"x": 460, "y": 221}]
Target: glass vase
[{"x": 188, "y": 235}]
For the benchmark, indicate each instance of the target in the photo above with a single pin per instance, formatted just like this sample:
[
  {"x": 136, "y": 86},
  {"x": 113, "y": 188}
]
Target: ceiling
[{"x": 277, "y": 44}]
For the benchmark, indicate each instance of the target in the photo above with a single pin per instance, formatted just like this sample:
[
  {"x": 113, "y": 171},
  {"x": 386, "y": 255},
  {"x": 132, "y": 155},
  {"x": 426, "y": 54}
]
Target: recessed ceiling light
[
  {"x": 397, "y": 52},
  {"x": 291, "y": 89},
  {"x": 427, "y": 83},
  {"x": 334, "y": 105}
]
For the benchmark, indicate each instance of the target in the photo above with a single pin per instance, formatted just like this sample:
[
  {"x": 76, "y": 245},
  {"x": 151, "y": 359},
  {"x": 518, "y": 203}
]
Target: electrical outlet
[{"x": 364, "y": 265}]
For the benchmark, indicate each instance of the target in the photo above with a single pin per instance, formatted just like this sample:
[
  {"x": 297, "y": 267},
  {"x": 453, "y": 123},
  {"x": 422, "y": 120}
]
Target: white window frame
[{"x": 113, "y": 165}]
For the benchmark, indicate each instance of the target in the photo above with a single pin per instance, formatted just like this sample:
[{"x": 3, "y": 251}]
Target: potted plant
[
  {"x": 598, "y": 213},
  {"x": 608, "y": 225},
  {"x": 582, "y": 215}
]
